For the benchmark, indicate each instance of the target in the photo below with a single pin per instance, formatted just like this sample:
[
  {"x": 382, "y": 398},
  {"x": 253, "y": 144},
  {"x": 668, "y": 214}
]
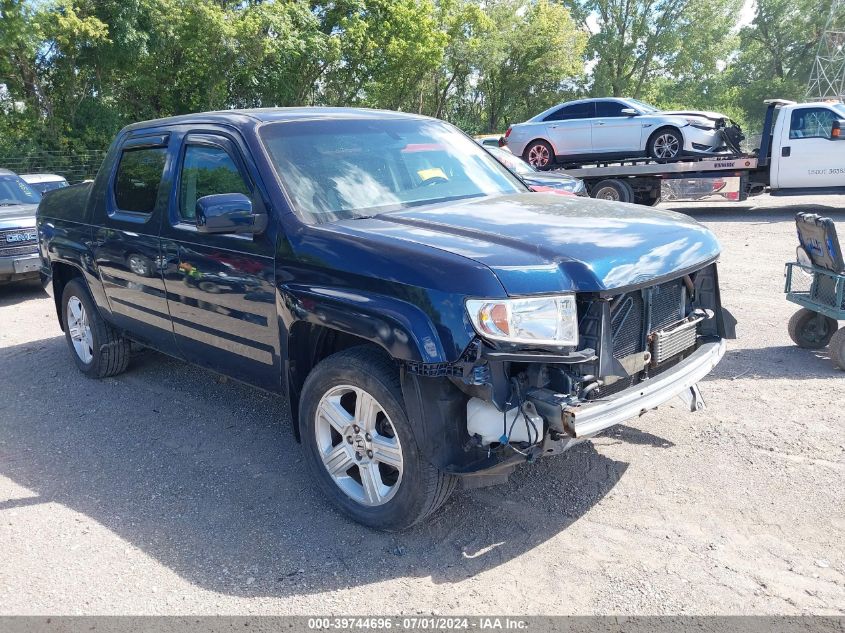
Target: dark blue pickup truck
[{"x": 430, "y": 320}]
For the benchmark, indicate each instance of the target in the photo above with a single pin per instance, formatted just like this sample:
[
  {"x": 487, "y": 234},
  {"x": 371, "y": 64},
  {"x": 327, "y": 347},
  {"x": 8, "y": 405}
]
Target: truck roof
[
  {"x": 274, "y": 115},
  {"x": 6, "y": 172}
]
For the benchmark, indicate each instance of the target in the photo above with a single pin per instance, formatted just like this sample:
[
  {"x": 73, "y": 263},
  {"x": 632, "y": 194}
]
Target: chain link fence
[{"x": 73, "y": 166}]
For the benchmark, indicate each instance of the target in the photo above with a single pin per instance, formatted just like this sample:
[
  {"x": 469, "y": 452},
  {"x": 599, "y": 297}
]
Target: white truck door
[{"x": 805, "y": 155}]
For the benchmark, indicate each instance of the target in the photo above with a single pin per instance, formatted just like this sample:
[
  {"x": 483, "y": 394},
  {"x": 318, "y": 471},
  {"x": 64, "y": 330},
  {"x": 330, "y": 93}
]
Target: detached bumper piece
[{"x": 584, "y": 419}]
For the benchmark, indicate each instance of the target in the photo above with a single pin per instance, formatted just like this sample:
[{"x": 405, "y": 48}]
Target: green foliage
[
  {"x": 775, "y": 55},
  {"x": 72, "y": 72}
]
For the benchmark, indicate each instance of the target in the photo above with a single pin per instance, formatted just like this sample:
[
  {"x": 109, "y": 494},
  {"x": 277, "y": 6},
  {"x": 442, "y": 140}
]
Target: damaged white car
[{"x": 605, "y": 129}]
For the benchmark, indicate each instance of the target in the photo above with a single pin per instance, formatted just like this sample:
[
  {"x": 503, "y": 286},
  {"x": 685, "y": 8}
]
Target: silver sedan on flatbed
[{"x": 594, "y": 129}]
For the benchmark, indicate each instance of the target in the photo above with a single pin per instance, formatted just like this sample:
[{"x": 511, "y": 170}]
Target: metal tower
[{"x": 827, "y": 79}]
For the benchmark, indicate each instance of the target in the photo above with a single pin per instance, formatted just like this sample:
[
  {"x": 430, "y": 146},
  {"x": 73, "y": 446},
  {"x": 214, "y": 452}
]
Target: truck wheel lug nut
[
  {"x": 368, "y": 437},
  {"x": 349, "y": 439},
  {"x": 358, "y": 456},
  {"x": 355, "y": 428},
  {"x": 369, "y": 453}
]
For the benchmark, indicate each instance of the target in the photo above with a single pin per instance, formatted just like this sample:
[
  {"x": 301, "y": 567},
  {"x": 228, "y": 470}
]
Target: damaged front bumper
[{"x": 585, "y": 419}]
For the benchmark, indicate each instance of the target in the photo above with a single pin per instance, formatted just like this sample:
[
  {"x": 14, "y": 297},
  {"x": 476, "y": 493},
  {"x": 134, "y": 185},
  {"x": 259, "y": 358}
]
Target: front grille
[
  {"x": 10, "y": 251},
  {"x": 628, "y": 322}
]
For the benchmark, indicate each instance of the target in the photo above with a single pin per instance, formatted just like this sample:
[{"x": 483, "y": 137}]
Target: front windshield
[
  {"x": 839, "y": 108},
  {"x": 14, "y": 190},
  {"x": 353, "y": 168},
  {"x": 645, "y": 108},
  {"x": 514, "y": 163}
]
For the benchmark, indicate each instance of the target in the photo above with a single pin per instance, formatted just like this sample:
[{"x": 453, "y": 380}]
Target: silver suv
[
  {"x": 591, "y": 129},
  {"x": 19, "y": 257}
]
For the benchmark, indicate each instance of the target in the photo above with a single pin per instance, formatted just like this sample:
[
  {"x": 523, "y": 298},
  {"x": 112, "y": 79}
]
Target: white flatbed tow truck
[{"x": 802, "y": 151}]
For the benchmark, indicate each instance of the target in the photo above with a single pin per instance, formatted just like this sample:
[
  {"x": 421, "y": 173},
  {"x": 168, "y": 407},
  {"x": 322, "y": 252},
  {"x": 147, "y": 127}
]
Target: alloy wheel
[
  {"x": 80, "y": 330},
  {"x": 667, "y": 145},
  {"x": 538, "y": 156},
  {"x": 358, "y": 445}
]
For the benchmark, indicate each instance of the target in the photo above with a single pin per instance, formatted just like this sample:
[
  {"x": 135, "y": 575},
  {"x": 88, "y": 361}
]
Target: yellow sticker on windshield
[{"x": 432, "y": 172}]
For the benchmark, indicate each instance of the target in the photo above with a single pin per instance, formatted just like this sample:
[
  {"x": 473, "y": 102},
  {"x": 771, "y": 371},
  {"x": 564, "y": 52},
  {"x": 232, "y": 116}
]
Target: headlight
[
  {"x": 551, "y": 320},
  {"x": 576, "y": 185},
  {"x": 702, "y": 124}
]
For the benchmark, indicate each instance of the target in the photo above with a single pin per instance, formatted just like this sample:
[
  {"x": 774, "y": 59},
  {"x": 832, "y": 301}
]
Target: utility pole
[{"x": 827, "y": 79}]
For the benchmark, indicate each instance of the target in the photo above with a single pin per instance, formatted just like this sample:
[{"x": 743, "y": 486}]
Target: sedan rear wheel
[{"x": 539, "y": 154}]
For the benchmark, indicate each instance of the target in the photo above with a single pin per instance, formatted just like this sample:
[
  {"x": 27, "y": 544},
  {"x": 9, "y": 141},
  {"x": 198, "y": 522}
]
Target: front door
[
  {"x": 126, "y": 243},
  {"x": 615, "y": 132},
  {"x": 809, "y": 157},
  {"x": 220, "y": 288}
]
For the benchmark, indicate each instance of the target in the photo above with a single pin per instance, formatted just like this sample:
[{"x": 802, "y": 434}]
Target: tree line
[{"x": 72, "y": 72}]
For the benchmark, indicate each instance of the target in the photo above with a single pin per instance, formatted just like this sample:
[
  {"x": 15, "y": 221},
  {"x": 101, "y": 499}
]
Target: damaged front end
[{"x": 637, "y": 348}]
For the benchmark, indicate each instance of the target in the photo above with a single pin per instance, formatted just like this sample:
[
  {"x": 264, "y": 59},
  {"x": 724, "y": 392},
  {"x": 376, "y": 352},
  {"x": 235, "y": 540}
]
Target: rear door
[
  {"x": 809, "y": 157},
  {"x": 614, "y": 132},
  {"x": 126, "y": 243},
  {"x": 569, "y": 128},
  {"x": 220, "y": 288}
]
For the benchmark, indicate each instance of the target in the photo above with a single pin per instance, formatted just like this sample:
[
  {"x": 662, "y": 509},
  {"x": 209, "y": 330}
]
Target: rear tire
[
  {"x": 666, "y": 143},
  {"x": 539, "y": 154},
  {"x": 614, "y": 190},
  {"x": 352, "y": 420},
  {"x": 837, "y": 348},
  {"x": 808, "y": 332},
  {"x": 97, "y": 348}
]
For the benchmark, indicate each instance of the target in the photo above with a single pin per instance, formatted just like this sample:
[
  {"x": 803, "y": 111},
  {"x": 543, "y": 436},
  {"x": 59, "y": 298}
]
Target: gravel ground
[{"x": 168, "y": 490}]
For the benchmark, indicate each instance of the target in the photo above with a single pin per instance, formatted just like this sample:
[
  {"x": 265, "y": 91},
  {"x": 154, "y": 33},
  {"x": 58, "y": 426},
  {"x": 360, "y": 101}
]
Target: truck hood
[
  {"x": 541, "y": 243},
  {"x": 17, "y": 216}
]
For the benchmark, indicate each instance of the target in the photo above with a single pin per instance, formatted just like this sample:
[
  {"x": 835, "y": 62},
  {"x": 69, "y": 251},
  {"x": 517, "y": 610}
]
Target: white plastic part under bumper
[{"x": 586, "y": 419}]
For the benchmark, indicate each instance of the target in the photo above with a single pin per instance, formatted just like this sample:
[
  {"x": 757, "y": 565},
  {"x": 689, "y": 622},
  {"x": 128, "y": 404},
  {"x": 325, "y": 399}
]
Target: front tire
[
  {"x": 359, "y": 444},
  {"x": 665, "y": 144},
  {"x": 97, "y": 348},
  {"x": 539, "y": 154},
  {"x": 811, "y": 330}
]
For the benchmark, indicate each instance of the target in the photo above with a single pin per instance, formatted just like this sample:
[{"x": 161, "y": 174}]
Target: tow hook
[{"x": 692, "y": 398}]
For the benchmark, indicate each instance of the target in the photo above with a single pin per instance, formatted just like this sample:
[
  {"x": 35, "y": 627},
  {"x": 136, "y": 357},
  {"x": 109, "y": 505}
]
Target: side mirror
[
  {"x": 228, "y": 213},
  {"x": 837, "y": 132},
  {"x": 629, "y": 112}
]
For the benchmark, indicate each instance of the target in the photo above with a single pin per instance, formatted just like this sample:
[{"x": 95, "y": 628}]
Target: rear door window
[
  {"x": 138, "y": 178},
  {"x": 572, "y": 112}
]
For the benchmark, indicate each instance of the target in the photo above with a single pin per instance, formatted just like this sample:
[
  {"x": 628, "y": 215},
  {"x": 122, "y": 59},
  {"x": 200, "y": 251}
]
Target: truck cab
[{"x": 805, "y": 147}]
